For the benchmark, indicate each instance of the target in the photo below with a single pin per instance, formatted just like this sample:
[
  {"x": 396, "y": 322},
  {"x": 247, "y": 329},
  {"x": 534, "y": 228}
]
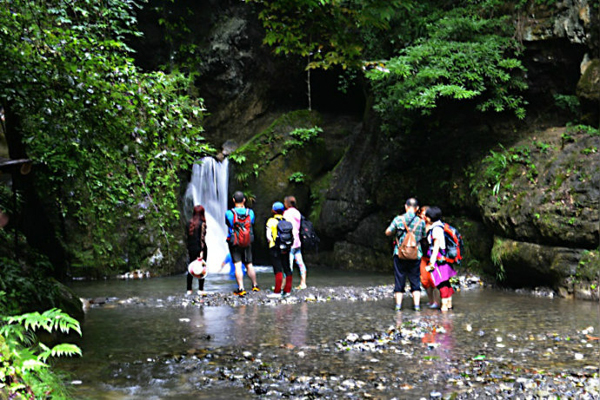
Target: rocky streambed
[{"x": 339, "y": 342}]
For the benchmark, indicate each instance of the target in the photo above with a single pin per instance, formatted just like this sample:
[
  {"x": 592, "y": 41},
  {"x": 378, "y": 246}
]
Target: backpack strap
[{"x": 406, "y": 226}]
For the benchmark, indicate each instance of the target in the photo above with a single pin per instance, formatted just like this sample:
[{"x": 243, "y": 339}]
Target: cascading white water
[{"x": 208, "y": 188}]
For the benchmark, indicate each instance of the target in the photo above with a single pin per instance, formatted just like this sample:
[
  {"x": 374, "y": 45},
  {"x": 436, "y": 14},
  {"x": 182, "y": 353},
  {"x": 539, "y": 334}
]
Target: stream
[{"x": 340, "y": 338}]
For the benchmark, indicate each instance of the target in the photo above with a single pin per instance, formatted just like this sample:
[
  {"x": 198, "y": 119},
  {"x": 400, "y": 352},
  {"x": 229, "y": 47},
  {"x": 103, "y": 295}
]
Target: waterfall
[{"x": 208, "y": 188}]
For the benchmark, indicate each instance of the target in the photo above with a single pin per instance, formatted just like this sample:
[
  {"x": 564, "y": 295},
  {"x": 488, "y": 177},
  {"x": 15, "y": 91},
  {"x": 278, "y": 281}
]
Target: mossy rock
[
  {"x": 523, "y": 264},
  {"x": 546, "y": 194},
  {"x": 277, "y": 163},
  {"x": 588, "y": 86}
]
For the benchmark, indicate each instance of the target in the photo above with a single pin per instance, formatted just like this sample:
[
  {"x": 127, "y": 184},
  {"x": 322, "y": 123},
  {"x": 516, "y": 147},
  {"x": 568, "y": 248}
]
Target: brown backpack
[{"x": 408, "y": 250}]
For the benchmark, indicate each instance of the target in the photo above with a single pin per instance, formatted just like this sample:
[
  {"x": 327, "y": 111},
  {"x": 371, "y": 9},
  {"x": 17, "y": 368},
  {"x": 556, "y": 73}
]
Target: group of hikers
[
  {"x": 420, "y": 249},
  {"x": 420, "y": 254},
  {"x": 283, "y": 237}
]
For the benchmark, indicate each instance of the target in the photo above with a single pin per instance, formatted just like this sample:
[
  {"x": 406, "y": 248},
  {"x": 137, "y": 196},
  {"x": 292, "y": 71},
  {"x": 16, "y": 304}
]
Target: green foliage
[
  {"x": 24, "y": 368},
  {"x": 542, "y": 147},
  {"x": 107, "y": 140},
  {"x": 300, "y": 137},
  {"x": 499, "y": 250},
  {"x": 567, "y": 102},
  {"x": 327, "y": 31},
  {"x": 297, "y": 177},
  {"x": 589, "y": 150},
  {"x": 463, "y": 56},
  {"x": 496, "y": 167},
  {"x": 24, "y": 290},
  {"x": 590, "y": 130}
]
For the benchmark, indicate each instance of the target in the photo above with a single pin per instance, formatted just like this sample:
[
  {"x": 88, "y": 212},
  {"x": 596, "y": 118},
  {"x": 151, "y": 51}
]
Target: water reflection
[{"x": 505, "y": 328}]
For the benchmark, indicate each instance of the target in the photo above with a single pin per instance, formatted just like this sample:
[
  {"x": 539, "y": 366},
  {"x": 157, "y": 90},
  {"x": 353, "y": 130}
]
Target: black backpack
[
  {"x": 285, "y": 236},
  {"x": 308, "y": 236}
]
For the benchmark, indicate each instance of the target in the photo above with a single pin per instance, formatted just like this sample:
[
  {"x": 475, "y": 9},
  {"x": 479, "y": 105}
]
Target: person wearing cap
[
  {"x": 407, "y": 268},
  {"x": 281, "y": 261}
]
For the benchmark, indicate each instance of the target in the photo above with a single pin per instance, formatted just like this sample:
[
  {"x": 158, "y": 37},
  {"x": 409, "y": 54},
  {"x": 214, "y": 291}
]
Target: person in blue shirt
[
  {"x": 229, "y": 263},
  {"x": 240, "y": 221}
]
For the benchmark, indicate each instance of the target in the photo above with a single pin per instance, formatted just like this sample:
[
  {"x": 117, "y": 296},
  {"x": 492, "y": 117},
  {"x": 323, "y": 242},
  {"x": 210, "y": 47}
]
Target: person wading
[
  {"x": 293, "y": 215},
  {"x": 406, "y": 259},
  {"x": 280, "y": 238},
  {"x": 240, "y": 220}
]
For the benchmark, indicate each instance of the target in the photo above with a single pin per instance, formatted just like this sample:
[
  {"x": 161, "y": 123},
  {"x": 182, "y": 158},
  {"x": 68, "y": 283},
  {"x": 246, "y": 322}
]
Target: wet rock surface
[
  {"x": 456, "y": 355},
  {"x": 266, "y": 296},
  {"x": 503, "y": 367}
]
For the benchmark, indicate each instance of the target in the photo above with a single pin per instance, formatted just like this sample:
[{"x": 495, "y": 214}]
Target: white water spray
[{"x": 208, "y": 188}]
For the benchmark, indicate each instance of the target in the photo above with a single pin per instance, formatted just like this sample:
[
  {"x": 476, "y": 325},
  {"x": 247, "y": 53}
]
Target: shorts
[
  {"x": 404, "y": 269},
  {"x": 243, "y": 254},
  {"x": 426, "y": 280}
]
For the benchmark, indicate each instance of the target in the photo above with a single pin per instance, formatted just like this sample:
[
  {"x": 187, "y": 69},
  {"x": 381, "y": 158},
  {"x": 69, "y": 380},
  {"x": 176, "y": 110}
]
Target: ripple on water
[{"x": 491, "y": 338}]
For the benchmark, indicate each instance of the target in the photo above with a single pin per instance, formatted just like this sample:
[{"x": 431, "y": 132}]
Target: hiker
[
  {"x": 239, "y": 220},
  {"x": 440, "y": 270},
  {"x": 407, "y": 265},
  {"x": 432, "y": 293},
  {"x": 196, "y": 244},
  {"x": 280, "y": 238},
  {"x": 293, "y": 215}
]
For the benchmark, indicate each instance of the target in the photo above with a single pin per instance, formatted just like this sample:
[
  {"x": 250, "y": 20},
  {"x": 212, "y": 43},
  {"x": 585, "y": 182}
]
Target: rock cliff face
[
  {"x": 538, "y": 227},
  {"x": 544, "y": 212}
]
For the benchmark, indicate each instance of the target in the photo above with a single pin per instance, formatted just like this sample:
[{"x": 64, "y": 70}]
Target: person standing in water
[
  {"x": 196, "y": 244},
  {"x": 401, "y": 224},
  {"x": 293, "y": 215},
  {"x": 240, "y": 221},
  {"x": 279, "y": 251},
  {"x": 440, "y": 270},
  {"x": 432, "y": 293}
]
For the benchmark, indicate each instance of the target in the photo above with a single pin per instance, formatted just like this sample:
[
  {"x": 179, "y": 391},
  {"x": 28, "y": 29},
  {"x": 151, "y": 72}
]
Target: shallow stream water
[{"x": 151, "y": 341}]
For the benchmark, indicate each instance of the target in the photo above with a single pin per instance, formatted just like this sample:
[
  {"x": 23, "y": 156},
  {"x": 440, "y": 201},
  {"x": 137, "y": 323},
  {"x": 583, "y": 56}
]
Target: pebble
[{"x": 484, "y": 371}]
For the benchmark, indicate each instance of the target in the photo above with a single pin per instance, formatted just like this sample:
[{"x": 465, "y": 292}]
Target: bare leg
[
  {"x": 398, "y": 297},
  {"x": 430, "y": 298},
  {"x": 416, "y": 298},
  {"x": 239, "y": 274},
  {"x": 251, "y": 273}
]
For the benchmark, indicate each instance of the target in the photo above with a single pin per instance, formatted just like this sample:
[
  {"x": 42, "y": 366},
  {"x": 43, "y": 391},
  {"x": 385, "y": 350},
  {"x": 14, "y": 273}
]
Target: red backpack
[
  {"x": 454, "y": 244},
  {"x": 241, "y": 235}
]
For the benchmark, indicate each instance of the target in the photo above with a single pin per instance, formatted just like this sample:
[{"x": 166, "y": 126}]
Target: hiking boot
[
  {"x": 188, "y": 292},
  {"x": 285, "y": 295},
  {"x": 417, "y": 308},
  {"x": 398, "y": 308},
  {"x": 274, "y": 295},
  {"x": 239, "y": 292},
  {"x": 255, "y": 289}
]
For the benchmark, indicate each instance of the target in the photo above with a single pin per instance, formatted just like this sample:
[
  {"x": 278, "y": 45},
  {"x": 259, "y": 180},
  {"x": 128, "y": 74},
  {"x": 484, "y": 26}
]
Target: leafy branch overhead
[
  {"x": 328, "y": 31},
  {"x": 413, "y": 53},
  {"x": 461, "y": 57}
]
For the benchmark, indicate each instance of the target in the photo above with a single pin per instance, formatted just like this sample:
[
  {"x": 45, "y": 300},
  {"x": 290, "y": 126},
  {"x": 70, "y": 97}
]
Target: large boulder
[
  {"x": 544, "y": 190},
  {"x": 541, "y": 195}
]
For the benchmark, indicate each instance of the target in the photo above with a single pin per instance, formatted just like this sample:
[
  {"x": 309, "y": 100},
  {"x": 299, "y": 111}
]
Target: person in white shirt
[{"x": 293, "y": 215}]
